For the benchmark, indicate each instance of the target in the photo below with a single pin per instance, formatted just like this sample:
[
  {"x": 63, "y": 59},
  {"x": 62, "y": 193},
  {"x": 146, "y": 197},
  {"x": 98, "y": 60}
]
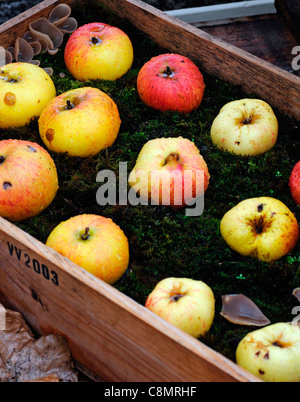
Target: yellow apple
[
  {"x": 186, "y": 303},
  {"x": 272, "y": 353},
  {"x": 245, "y": 127},
  {"x": 28, "y": 179},
  {"x": 261, "y": 227},
  {"x": 25, "y": 90},
  {"x": 80, "y": 122},
  {"x": 93, "y": 242},
  {"x": 170, "y": 171},
  {"x": 98, "y": 51}
]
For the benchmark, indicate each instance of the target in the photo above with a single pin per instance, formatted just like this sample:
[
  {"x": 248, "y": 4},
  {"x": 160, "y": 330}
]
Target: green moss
[{"x": 164, "y": 242}]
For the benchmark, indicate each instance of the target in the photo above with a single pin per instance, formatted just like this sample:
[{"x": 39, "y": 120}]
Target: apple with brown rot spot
[
  {"x": 28, "y": 179},
  {"x": 294, "y": 183},
  {"x": 171, "y": 82},
  {"x": 170, "y": 171},
  {"x": 25, "y": 90}
]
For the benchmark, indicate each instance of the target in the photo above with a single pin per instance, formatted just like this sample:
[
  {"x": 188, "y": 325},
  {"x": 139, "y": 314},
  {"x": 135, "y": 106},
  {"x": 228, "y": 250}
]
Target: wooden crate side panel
[
  {"x": 108, "y": 333},
  {"x": 276, "y": 86}
]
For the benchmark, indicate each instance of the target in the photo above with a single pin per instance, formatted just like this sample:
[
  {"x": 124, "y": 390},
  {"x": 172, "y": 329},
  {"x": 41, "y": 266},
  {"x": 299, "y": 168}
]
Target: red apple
[
  {"x": 186, "y": 303},
  {"x": 294, "y": 183},
  {"x": 171, "y": 82},
  {"x": 28, "y": 179},
  {"x": 98, "y": 51}
]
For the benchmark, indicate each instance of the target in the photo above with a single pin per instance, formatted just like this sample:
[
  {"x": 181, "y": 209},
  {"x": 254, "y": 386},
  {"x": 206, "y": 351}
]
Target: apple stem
[{"x": 86, "y": 234}]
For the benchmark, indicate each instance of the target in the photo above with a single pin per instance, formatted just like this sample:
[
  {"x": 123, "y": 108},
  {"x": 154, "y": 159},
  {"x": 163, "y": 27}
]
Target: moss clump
[{"x": 164, "y": 242}]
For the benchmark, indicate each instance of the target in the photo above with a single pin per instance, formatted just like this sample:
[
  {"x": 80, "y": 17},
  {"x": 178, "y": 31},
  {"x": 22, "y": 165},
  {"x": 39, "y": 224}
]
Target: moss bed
[{"x": 164, "y": 242}]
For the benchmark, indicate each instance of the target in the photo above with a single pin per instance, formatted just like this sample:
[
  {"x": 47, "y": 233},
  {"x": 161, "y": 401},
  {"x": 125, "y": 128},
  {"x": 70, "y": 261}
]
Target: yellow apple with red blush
[
  {"x": 272, "y": 353},
  {"x": 171, "y": 82},
  {"x": 98, "y": 51},
  {"x": 170, "y": 171},
  {"x": 93, "y": 242}
]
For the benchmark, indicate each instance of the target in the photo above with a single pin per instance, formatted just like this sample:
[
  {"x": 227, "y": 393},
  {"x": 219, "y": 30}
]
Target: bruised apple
[
  {"x": 28, "y": 179},
  {"x": 98, "y": 51},
  {"x": 93, "y": 242},
  {"x": 261, "y": 227},
  {"x": 186, "y": 303},
  {"x": 80, "y": 122},
  {"x": 245, "y": 127},
  {"x": 25, "y": 90},
  {"x": 171, "y": 82}
]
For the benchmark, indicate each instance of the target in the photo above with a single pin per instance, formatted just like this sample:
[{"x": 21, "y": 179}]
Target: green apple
[
  {"x": 245, "y": 127},
  {"x": 25, "y": 90},
  {"x": 80, "y": 122},
  {"x": 93, "y": 242},
  {"x": 186, "y": 303},
  {"x": 261, "y": 227},
  {"x": 272, "y": 353},
  {"x": 28, "y": 179},
  {"x": 98, "y": 51}
]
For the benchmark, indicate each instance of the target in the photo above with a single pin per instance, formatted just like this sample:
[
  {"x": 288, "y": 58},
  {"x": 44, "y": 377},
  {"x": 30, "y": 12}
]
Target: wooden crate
[{"x": 112, "y": 337}]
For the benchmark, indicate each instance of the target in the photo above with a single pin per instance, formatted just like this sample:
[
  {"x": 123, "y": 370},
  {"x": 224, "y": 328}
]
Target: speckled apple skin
[
  {"x": 182, "y": 91},
  {"x": 28, "y": 179},
  {"x": 272, "y": 353},
  {"x": 245, "y": 127},
  {"x": 25, "y": 99}
]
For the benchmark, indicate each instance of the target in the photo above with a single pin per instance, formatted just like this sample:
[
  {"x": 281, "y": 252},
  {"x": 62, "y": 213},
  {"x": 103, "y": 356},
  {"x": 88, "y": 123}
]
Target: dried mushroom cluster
[{"x": 43, "y": 35}]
